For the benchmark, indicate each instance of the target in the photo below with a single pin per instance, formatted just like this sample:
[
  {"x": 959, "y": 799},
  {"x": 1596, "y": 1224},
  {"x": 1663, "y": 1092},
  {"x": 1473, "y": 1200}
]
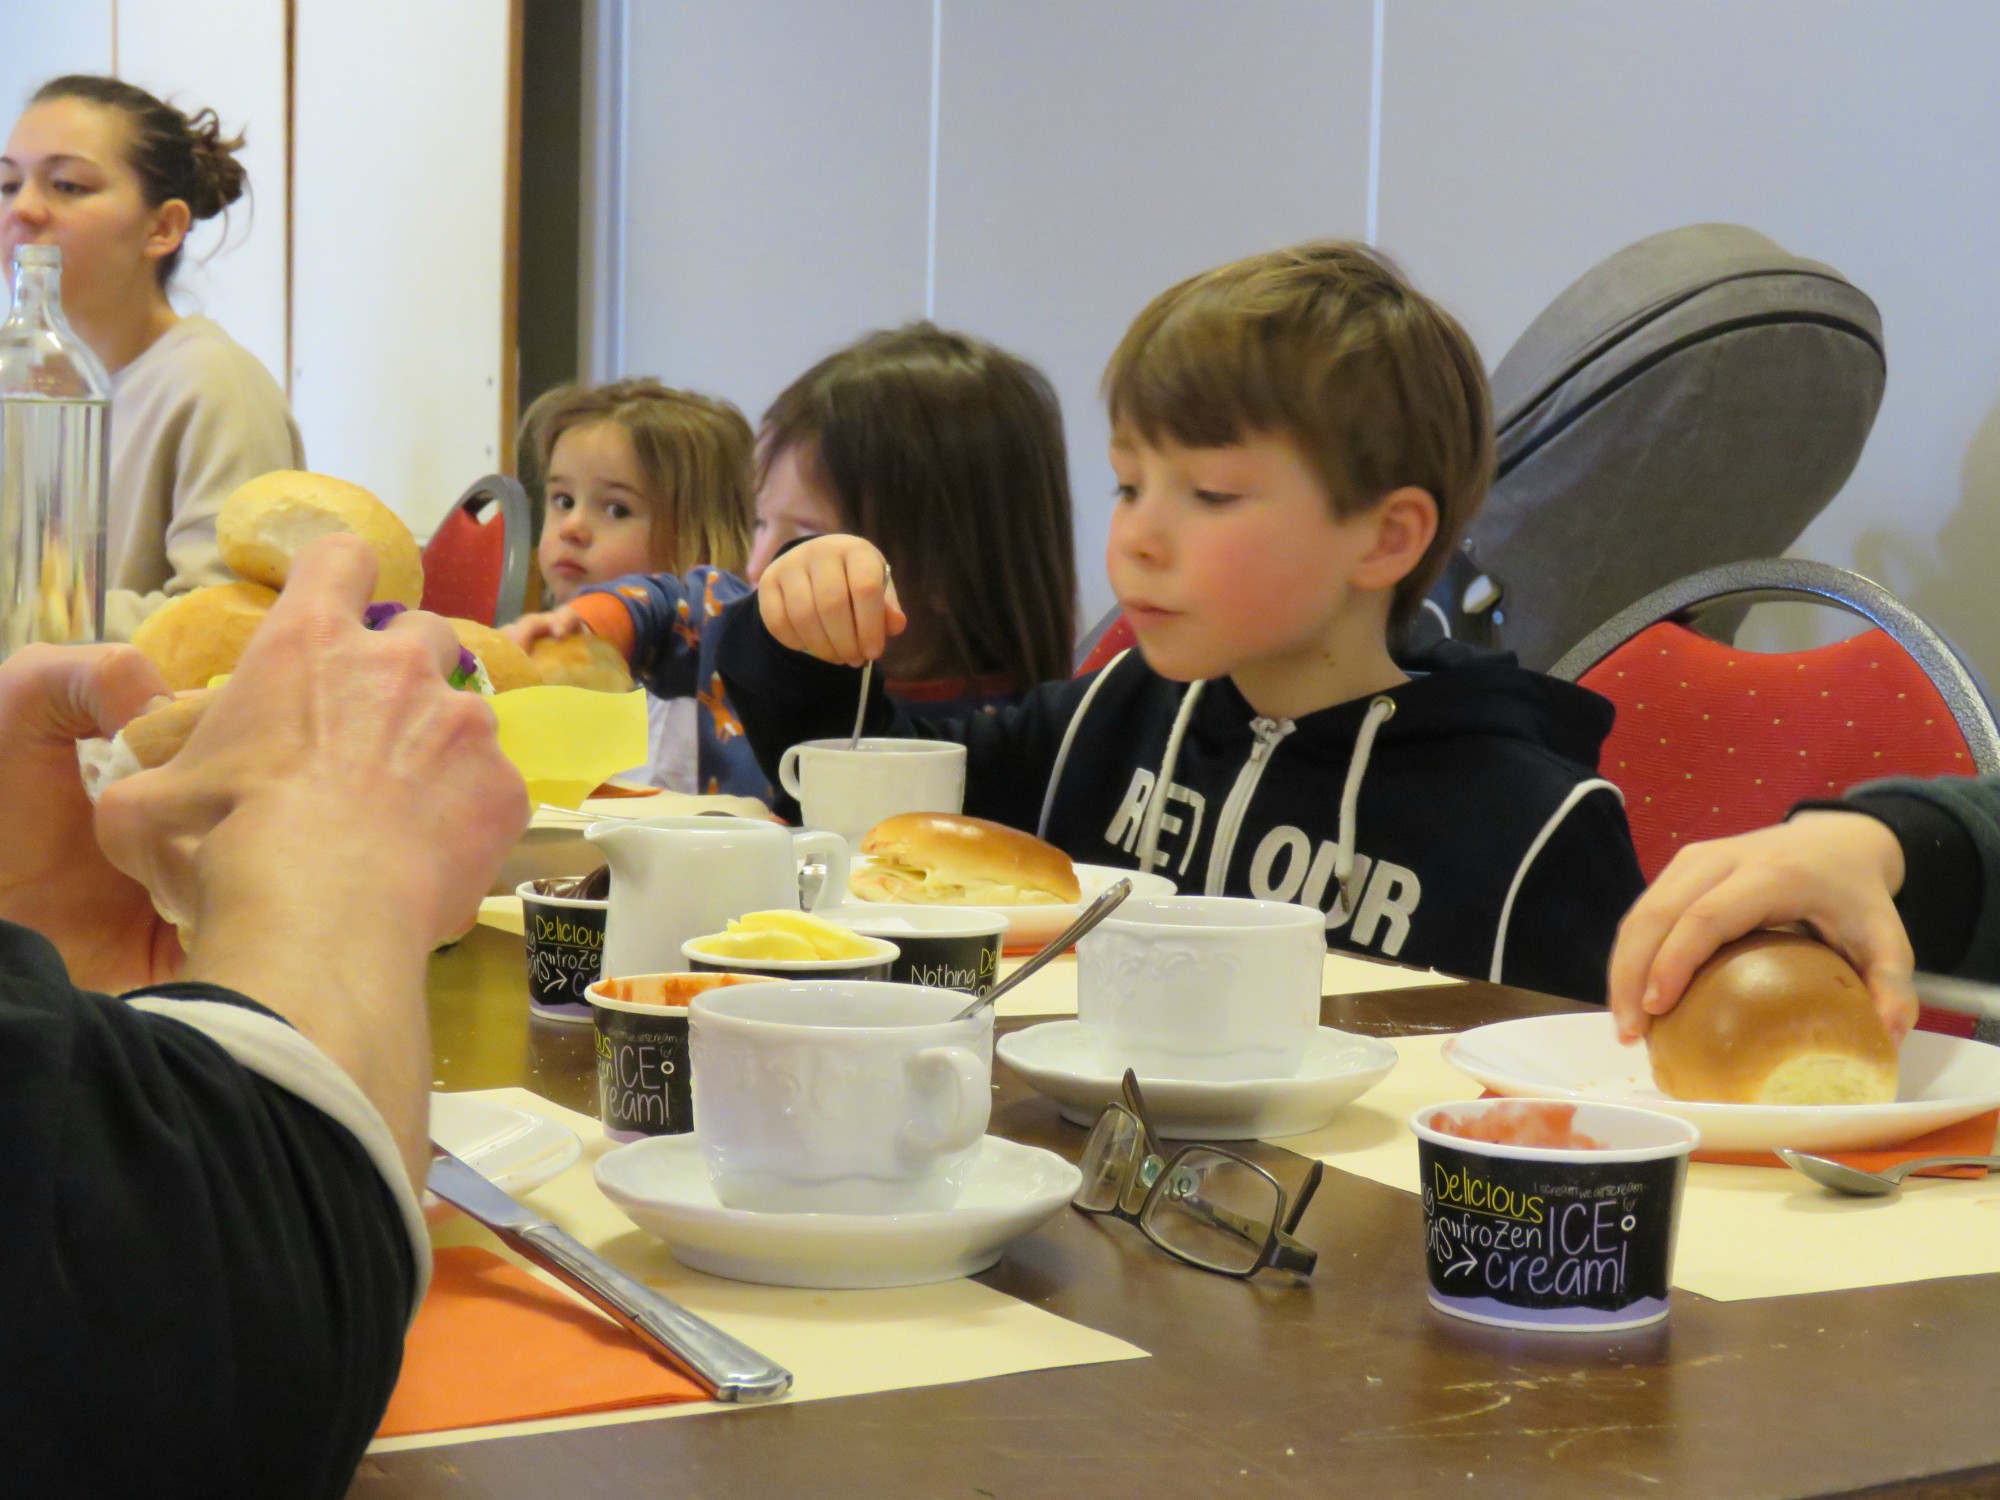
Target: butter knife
[{"x": 729, "y": 1369}]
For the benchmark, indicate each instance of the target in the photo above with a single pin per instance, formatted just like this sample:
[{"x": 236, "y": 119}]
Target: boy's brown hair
[
  {"x": 695, "y": 452},
  {"x": 1327, "y": 345},
  {"x": 947, "y": 453}
]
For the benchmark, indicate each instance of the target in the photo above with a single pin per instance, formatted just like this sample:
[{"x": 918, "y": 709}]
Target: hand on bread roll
[
  {"x": 265, "y": 522},
  {"x": 943, "y": 859},
  {"x": 1836, "y": 872},
  {"x": 581, "y": 660},
  {"x": 1774, "y": 1018}
]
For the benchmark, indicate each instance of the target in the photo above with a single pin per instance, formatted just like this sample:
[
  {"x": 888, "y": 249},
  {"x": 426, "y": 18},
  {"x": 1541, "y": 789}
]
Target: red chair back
[
  {"x": 1117, "y": 636},
  {"x": 475, "y": 564}
]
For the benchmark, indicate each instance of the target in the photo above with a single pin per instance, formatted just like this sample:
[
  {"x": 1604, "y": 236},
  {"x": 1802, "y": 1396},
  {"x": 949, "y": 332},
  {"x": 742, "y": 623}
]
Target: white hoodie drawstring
[
  {"x": 1380, "y": 712},
  {"x": 1156, "y": 805}
]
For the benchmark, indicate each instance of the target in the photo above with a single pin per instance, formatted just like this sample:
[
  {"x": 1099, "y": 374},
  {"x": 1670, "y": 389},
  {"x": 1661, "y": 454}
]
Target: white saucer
[
  {"x": 1944, "y": 1079},
  {"x": 663, "y": 1187},
  {"x": 515, "y": 1151},
  {"x": 1075, "y": 1066}
]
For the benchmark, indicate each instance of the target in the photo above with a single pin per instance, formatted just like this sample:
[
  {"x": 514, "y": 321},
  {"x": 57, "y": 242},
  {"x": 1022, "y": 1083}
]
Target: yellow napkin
[{"x": 566, "y": 741}]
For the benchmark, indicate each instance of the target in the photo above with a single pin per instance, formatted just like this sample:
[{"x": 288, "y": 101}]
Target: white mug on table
[
  {"x": 838, "y": 1095},
  {"x": 678, "y": 878},
  {"x": 1217, "y": 988},
  {"x": 850, "y": 790}
]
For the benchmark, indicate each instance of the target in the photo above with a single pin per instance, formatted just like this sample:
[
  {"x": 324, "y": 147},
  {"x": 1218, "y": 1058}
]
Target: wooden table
[{"x": 1350, "y": 1384}]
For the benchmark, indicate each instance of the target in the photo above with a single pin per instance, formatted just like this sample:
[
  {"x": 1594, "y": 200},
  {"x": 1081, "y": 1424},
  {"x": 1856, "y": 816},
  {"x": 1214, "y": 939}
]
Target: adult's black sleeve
[{"x": 206, "y": 1279}]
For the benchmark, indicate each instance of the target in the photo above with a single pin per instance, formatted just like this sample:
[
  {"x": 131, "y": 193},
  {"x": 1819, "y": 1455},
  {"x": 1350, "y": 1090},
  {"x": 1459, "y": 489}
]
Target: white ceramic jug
[{"x": 678, "y": 878}]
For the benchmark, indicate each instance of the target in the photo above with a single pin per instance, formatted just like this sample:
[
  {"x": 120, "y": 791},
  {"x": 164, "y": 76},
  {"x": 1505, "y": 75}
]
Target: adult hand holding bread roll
[
  {"x": 1774, "y": 1018},
  {"x": 336, "y": 811},
  {"x": 1837, "y": 873}
]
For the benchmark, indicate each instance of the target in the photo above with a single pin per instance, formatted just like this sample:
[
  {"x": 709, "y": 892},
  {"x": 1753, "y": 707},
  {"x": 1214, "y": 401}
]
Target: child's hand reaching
[
  {"x": 556, "y": 623},
  {"x": 830, "y": 597}
]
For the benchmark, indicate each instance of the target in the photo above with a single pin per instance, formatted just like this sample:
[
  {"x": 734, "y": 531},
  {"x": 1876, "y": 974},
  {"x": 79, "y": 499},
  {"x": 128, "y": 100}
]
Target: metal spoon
[
  {"x": 867, "y": 671},
  {"x": 1105, "y": 904},
  {"x": 1856, "y": 1183}
]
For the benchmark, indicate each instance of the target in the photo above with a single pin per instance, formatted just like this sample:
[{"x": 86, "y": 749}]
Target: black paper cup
[
  {"x": 875, "y": 965},
  {"x": 565, "y": 939},
  {"x": 1563, "y": 1240},
  {"x": 942, "y": 947},
  {"x": 644, "y": 1086}
]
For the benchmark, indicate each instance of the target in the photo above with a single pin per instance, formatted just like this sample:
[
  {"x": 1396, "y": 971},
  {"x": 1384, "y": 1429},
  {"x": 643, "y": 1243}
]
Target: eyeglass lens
[{"x": 1214, "y": 1210}]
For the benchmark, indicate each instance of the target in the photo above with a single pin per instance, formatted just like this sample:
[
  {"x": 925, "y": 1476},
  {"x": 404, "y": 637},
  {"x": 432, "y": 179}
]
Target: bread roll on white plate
[
  {"x": 1774, "y": 1018},
  {"x": 943, "y": 859}
]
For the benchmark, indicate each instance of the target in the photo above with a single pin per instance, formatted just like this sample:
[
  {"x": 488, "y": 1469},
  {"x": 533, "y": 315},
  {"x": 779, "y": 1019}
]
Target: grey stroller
[{"x": 1695, "y": 399}]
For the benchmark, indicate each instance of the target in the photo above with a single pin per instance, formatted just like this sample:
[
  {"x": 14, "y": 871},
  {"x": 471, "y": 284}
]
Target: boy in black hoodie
[{"x": 1299, "y": 440}]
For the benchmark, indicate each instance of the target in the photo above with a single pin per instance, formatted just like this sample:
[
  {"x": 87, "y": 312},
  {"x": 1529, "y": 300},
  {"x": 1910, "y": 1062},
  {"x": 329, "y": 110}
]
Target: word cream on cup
[
  {"x": 839, "y": 1096},
  {"x": 1573, "y": 1236},
  {"x": 678, "y": 878},
  {"x": 850, "y": 789},
  {"x": 1215, "y": 988}
]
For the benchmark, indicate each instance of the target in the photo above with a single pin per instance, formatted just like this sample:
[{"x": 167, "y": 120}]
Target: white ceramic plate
[
  {"x": 1032, "y": 926},
  {"x": 1075, "y": 1066},
  {"x": 1944, "y": 1080},
  {"x": 516, "y": 1151},
  {"x": 663, "y": 1188}
]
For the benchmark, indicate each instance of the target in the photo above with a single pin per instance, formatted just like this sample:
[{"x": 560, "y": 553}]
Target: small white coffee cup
[
  {"x": 849, "y": 790},
  {"x": 1204, "y": 987},
  {"x": 839, "y": 1096}
]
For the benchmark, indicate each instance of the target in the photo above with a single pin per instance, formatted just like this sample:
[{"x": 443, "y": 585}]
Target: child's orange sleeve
[{"x": 608, "y": 618}]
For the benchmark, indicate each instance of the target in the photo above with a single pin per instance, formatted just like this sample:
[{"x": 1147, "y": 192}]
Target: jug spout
[{"x": 618, "y": 841}]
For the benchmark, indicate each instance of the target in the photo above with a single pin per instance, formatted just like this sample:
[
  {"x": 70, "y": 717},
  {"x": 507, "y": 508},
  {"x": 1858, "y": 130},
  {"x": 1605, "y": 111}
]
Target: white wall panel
[
  {"x": 398, "y": 258},
  {"x": 227, "y": 55},
  {"x": 1090, "y": 155},
  {"x": 39, "y": 42},
  {"x": 1523, "y": 142},
  {"x": 775, "y": 200}
]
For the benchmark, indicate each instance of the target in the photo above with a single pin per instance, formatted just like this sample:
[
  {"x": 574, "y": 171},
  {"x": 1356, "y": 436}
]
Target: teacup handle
[
  {"x": 808, "y": 842},
  {"x": 788, "y": 774},
  {"x": 955, "y": 1088}
]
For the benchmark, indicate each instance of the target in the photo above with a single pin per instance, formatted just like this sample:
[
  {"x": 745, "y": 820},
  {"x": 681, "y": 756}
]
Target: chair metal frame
[
  {"x": 517, "y": 538},
  {"x": 1796, "y": 580}
]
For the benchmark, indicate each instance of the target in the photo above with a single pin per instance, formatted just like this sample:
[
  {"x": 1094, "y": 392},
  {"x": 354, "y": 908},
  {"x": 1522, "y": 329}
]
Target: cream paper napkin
[
  {"x": 834, "y": 1343},
  {"x": 1745, "y": 1231}
]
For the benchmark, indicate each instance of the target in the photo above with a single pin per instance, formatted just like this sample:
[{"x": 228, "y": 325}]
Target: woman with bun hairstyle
[
  {"x": 115, "y": 178},
  {"x": 947, "y": 453}
]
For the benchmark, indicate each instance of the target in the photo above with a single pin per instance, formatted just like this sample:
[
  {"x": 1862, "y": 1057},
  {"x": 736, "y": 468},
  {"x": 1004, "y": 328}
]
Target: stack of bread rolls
[{"x": 263, "y": 524}]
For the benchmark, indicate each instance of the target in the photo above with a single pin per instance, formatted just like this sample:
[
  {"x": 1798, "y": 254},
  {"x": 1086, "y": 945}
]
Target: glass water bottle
[{"x": 55, "y": 455}]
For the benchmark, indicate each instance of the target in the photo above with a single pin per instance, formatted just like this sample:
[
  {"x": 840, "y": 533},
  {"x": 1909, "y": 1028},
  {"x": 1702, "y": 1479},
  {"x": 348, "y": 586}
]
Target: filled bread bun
[
  {"x": 265, "y": 522},
  {"x": 150, "y": 740},
  {"x": 1774, "y": 1018},
  {"x": 582, "y": 660},
  {"x": 201, "y": 635},
  {"x": 942, "y": 859},
  {"x": 507, "y": 665}
]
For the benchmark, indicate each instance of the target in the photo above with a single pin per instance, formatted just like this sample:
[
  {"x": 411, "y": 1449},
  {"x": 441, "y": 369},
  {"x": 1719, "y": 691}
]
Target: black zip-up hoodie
[{"x": 1480, "y": 841}]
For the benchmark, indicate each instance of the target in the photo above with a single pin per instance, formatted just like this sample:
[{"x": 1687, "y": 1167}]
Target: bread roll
[
  {"x": 582, "y": 660},
  {"x": 1774, "y": 1018},
  {"x": 265, "y": 522},
  {"x": 201, "y": 635},
  {"x": 156, "y": 738},
  {"x": 507, "y": 665},
  {"x": 942, "y": 859}
]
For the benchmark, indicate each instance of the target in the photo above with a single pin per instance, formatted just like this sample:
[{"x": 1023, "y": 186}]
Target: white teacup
[
  {"x": 839, "y": 1096},
  {"x": 850, "y": 790},
  {"x": 1204, "y": 987}
]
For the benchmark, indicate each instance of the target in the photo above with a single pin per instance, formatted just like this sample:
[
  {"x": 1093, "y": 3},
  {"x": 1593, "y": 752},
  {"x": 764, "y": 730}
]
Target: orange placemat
[
  {"x": 493, "y": 1344},
  {"x": 1973, "y": 1137}
]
